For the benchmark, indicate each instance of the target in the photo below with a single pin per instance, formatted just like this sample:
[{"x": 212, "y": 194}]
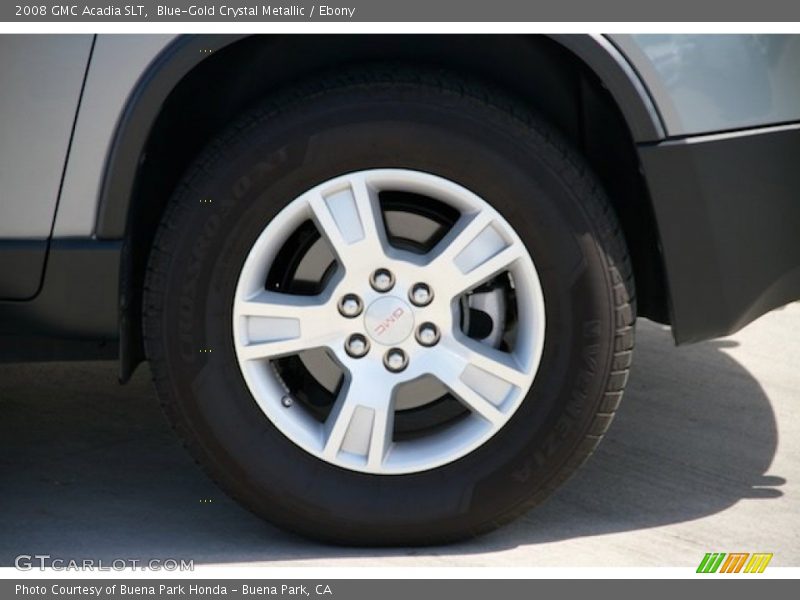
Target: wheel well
[{"x": 556, "y": 83}]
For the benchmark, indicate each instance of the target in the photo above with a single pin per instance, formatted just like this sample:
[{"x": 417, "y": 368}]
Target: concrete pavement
[{"x": 703, "y": 456}]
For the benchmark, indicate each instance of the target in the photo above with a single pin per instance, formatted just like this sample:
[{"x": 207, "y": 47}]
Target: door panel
[{"x": 40, "y": 83}]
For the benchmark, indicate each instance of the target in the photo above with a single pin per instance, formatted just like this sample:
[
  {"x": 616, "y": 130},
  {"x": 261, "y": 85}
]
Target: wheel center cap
[{"x": 389, "y": 320}]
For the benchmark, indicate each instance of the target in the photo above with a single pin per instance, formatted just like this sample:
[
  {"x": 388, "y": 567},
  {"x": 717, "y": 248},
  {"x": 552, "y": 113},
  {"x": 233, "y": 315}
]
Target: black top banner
[{"x": 464, "y": 11}]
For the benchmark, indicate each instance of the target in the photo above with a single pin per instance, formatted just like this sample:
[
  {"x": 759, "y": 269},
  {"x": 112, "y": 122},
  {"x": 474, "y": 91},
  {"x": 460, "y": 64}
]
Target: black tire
[{"x": 393, "y": 118}]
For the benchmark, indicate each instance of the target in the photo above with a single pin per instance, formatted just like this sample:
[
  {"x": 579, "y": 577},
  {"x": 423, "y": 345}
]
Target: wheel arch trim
[
  {"x": 187, "y": 52},
  {"x": 141, "y": 110},
  {"x": 624, "y": 84}
]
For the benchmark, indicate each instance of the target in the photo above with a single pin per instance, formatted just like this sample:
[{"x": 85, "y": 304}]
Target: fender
[
  {"x": 621, "y": 80},
  {"x": 138, "y": 117},
  {"x": 184, "y": 54}
]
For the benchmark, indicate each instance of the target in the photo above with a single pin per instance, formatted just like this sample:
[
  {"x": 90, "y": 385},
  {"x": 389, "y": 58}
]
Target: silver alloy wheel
[{"x": 357, "y": 434}]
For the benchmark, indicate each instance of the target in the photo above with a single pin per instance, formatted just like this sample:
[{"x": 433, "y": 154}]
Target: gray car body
[
  {"x": 43, "y": 75},
  {"x": 64, "y": 99},
  {"x": 698, "y": 84}
]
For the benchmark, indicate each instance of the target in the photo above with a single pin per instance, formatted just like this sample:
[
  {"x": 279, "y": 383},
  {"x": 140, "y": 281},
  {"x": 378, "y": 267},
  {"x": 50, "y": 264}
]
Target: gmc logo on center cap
[{"x": 384, "y": 325}]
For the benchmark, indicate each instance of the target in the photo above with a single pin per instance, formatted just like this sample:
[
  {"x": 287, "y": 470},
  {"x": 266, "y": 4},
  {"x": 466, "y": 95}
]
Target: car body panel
[
  {"x": 40, "y": 79},
  {"x": 656, "y": 81},
  {"x": 728, "y": 213},
  {"x": 755, "y": 83},
  {"x": 40, "y": 87},
  {"x": 711, "y": 83},
  {"x": 118, "y": 63},
  {"x": 621, "y": 80}
]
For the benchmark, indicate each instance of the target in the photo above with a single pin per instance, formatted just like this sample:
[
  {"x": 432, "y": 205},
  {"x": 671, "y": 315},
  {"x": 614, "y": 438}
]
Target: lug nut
[
  {"x": 395, "y": 360},
  {"x": 382, "y": 280},
  {"x": 428, "y": 334},
  {"x": 421, "y": 294},
  {"x": 350, "y": 306},
  {"x": 357, "y": 345}
]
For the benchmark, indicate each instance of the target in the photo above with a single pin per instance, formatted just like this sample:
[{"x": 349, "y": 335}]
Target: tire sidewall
[{"x": 269, "y": 162}]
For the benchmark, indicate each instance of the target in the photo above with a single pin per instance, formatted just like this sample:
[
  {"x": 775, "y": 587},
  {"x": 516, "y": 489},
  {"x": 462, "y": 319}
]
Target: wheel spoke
[
  {"x": 480, "y": 376},
  {"x": 500, "y": 364},
  {"x": 282, "y": 324},
  {"x": 472, "y": 253},
  {"x": 476, "y": 402},
  {"x": 360, "y": 423},
  {"x": 460, "y": 236},
  {"x": 351, "y": 221},
  {"x": 489, "y": 268},
  {"x": 279, "y": 306},
  {"x": 381, "y": 440}
]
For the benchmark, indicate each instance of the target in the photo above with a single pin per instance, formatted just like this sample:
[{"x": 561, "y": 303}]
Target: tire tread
[{"x": 561, "y": 159}]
